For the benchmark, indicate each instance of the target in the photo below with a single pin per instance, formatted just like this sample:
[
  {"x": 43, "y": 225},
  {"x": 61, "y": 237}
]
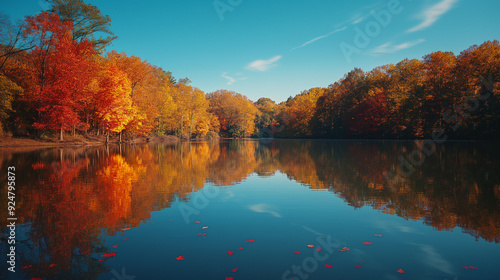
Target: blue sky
[{"x": 279, "y": 48}]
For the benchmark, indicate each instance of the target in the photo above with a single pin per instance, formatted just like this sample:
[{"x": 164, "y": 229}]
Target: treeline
[
  {"x": 56, "y": 77},
  {"x": 458, "y": 95}
]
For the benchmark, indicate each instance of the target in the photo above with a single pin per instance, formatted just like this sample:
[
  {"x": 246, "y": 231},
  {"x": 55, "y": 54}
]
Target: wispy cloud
[
  {"x": 231, "y": 80},
  {"x": 358, "y": 20},
  {"x": 433, "y": 13},
  {"x": 320, "y": 37},
  {"x": 263, "y": 65},
  {"x": 390, "y": 48}
]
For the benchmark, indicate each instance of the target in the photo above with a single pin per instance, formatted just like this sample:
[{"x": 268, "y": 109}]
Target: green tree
[{"x": 87, "y": 21}]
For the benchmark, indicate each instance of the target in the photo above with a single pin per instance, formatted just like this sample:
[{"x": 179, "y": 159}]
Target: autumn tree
[
  {"x": 192, "y": 110},
  {"x": 58, "y": 72},
  {"x": 236, "y": 114},
  {"x": 114, "y": 104},
  {"x": 298, "y": 112},
  {"x": 8, "y": 90}
]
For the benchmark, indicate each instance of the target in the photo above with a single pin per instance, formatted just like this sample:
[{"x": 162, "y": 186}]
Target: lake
[{"x": 255, "y": 209}]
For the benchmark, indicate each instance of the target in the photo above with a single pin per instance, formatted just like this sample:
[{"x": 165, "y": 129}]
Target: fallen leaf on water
[
  {"x": 125, "y": 239},
  {"x": 204, "y": 227},
  {"x": 297, "y": 252},
  {"x": 124, "y": 229},
  {"x": 400, "y": 271},
  {"x": 236, "y": 269},
  {"x": 344, "y": 249},
  {"x": 52, "y": 265},
  {"x": 28, "y": 266},
  {"x": 378, "y": 234},
  {"x": 109, "y": 255},
  {"x": 357, "y": 265},
  {"x": 363, "y": 261},
  {"x": 250, "y": 241},
  {"x": 202, "y": 234},
  {"x": 367, "y": 243},
  {"x": 241, "y": 248},
  {"x": 180, "y": 258},
  {"x": 328, "y": 265},
  {"x": 197, "y": 222},
  {"x": 36, "y": 279},
  {"x": 469, "y": 267},
  {"x": 100, "y": 260},
  {"x": 230, "y": 252},
  {"x": 116, "y": 245},
  {"x": 229, "y": 278},
  {"x": 310, "y": 245},
  {"x": 319, "y": 249}
]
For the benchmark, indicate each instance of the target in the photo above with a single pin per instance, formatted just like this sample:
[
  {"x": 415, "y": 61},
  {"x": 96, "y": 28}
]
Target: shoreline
[{"x": 79, "y": 141}]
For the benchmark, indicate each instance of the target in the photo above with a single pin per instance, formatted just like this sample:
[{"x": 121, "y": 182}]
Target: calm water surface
[{"x": 249, "y": 210}]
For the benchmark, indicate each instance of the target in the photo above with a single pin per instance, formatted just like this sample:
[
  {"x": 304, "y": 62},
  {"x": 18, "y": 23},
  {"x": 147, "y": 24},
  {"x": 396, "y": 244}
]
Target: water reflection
[{"x": 69, "y": 199}]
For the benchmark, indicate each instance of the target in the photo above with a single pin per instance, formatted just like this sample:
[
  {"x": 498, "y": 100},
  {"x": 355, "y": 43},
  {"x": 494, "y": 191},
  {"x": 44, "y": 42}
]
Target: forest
[{"x": 57, "y": 78}]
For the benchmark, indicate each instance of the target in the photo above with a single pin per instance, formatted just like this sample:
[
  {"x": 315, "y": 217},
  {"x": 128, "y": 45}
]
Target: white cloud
[
  {"x": 231, "y": 80},
  {"x": 320, "y": 37},
  {"x": 433, "y": 13},
  {"x": 390, "y": 48},
  {"x": 263, "y": 65}
]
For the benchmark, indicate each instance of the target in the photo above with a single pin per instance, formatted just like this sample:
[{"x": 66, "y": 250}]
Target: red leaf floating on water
[
  {"x": 109, "y": 255},
  {"x": 367, "y": 243},
  {"x": 241, "y": 248},
  {"x": 125, "y": 239},
  {"x": 197, "y": 222},
  {"x": 297, "y": 252},
  {"x": 378, "y": 234},
  {"x": 28, "y": 266},
  {"x": 469, "y": 267},
  {"x": 180, "y": 258},
  {"x": 36, "y": 279},
  {"x": 230, "y": 252},
  {"x": 52, "y": 265},
  {"x": 328, "y": 265},
  {"x": 116, "y": 245},
  {"x": 100, "y": 260},
  {"x": 363, "y": 261},
  {"x": 236, "y": 269},
  {"x": 202, "y": 234},
  {"x": 400, "y": 271},
  {"x": 204, "y": 227},
  {"x": 229, "y": 278},
  {"x": 250, "y": 241},
  {"x": 357, "y": 265},
  {"x": 319, "y": 249}
]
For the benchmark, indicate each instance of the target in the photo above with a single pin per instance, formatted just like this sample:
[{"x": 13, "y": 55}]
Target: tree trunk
[
  {"x": 107, "y": 137},
  {"x": 120, "y": 136},
  {"x": 191, "y": 128},
  {"x": 61, "y": 135}
]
